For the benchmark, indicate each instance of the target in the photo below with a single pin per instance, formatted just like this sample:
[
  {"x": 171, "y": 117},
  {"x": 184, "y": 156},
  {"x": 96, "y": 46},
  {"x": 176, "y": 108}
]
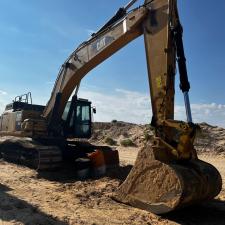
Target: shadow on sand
[
  {"x": 208, "y": 213},
  {"x": 67, "y": 174},
  {"x": 15, "y": 210}
]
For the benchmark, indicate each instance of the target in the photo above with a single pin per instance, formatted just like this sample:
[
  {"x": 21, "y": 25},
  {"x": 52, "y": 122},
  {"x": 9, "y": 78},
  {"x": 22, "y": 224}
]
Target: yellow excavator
[{"x": 167, "y": 174}]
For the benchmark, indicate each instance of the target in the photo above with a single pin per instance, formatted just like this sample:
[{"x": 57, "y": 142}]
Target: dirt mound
[
  {"x": 119, "y": 131},
  {"x": 210, "y": 139}
]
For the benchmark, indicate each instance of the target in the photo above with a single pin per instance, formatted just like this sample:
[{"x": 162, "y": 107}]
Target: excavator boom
[{"x": 90, "y": 54}]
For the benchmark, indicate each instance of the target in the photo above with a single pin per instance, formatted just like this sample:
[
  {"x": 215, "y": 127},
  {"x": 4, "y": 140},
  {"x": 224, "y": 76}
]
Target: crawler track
[{"x": 26, "y": 151}]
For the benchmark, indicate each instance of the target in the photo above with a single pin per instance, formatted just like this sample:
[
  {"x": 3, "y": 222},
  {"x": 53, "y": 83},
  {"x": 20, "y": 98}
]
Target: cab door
[
  {"x": 82, "y": 120},
  {"x": 77, "y": 117}
]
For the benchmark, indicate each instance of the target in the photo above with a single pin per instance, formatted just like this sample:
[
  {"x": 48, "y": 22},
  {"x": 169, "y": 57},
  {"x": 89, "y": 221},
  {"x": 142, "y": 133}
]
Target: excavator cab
[{"x": 77, "y": 118}]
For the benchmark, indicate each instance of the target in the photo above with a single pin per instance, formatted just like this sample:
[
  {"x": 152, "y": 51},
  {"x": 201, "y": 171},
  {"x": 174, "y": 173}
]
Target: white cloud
[
  {"x": 49, "y": 82},
  {"x": 5, "y": 98},
  {"x": 211, "y": 113},
  {"x": 121, "y": 105},
  {"x": 2, "y": 104},
  {"x": 131, "y": 106},
  {"x": 2, "y": 107},
  {"x": 136, "y": 107},
  {"x": 3, "y": 92}
]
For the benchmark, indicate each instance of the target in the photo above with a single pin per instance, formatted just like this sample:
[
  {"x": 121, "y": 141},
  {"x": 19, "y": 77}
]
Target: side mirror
[{"x": 94, "y": 110}]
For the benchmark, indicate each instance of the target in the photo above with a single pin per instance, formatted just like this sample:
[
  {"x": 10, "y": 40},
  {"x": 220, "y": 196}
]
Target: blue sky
[{"x": 37, "y": 36}]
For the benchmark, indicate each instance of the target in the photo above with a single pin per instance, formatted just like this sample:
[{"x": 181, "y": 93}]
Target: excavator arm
[{"x": 163, "y": 44}]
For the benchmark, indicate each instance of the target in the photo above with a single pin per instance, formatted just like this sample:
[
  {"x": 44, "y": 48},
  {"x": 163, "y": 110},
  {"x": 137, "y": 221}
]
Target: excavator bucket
[{"x": 161, "y": 187}]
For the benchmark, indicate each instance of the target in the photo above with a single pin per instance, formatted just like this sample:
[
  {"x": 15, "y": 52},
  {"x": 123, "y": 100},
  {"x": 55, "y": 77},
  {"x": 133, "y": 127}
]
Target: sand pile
[
  {"x": 120, "y": 131},
  {"x": 209, "y": 138}
]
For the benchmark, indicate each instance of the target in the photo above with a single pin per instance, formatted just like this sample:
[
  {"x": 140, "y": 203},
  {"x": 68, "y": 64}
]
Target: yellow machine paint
[{"x": 167, "y": 174}]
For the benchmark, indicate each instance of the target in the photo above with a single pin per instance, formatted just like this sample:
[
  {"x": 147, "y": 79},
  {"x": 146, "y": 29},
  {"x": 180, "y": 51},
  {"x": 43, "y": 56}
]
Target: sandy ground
[{"x": 27, "y": 197}]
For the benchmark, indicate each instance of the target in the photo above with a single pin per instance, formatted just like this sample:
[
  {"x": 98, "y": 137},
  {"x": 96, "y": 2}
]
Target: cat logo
[{"x": 100, "y": 44}]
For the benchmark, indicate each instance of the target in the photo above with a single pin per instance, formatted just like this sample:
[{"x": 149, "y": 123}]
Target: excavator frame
[{"x": 167, "y": 174}]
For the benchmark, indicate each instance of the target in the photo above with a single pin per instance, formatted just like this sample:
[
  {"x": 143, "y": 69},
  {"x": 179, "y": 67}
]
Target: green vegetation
[
  {"x": 110, "y": 141},
  {"x": 127, "y": 143}
]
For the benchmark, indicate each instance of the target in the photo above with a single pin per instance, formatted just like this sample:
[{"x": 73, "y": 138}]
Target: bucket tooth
[{"x": 161, "y": 187}]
